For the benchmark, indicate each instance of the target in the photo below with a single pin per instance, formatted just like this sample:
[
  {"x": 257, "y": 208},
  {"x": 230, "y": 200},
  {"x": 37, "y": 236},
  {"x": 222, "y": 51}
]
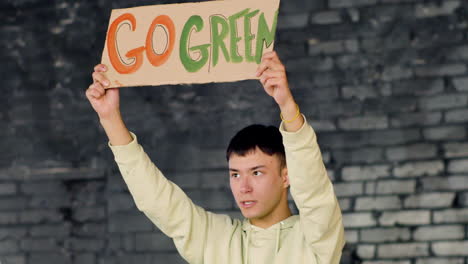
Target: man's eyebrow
[
  {"x": 257, "y": 167},
  {"x": 251, "y": 169}
]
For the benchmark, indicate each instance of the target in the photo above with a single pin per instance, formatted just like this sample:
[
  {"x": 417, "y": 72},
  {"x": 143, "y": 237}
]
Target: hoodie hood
[{"x": 261, "y": 239}]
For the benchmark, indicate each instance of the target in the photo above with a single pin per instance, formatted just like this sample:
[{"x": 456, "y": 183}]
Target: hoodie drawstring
[
  {"x": 278, "y": 233},
  {"x": 246, "y": 257}
]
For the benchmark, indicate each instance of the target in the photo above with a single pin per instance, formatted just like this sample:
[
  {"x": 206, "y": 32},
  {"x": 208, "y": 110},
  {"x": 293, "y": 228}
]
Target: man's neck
[{"x": 271, "y": 219}]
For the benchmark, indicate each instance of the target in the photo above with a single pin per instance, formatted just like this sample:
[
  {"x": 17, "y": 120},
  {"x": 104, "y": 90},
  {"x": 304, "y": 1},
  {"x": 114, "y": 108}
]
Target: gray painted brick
[
  {"x": 291, "y": 21},
  {"x": 351, "y": 220},
  {"x": 350, "y": 3},
  {"x": 396, "y": 73},
  {"x": 15, "y": 259},
  {"x": 461, "y": 84},
  {"x": 431, "y": 9},
  {"x": 153, "y": 242},
  {"x": 454, "y": 150},
  {"x": 40, "y": 216},
  {"x": 366, "y": 251},
  {"x": 84, "y": 258},
  {"x": 7, "y": 188},
  {"x": 360, "y": 155},
  {"x": 215, "y": 179},
  {"x": 412, "y": 217},
  {"x": 377, "y": 235},
  {"x": 429, "y": 200},
  {"x": 317, "y": 47},
  {"x": 456, "y": 166},
  {"x": 447, "y": 183},
  {"x": 13, "y": 203},
  {"x": 8, "y": 247},
  {"x": 456, "y": 116},
  {"x": 351, "y": 61},
  {"x": 463, "y": 199},
  {"x": 450, "y": 248},
  {"x": 457, "y": 53},
  {"x": 12, "y": 233},
  {"x": 410, "y": 152},
  {"x": 49, "y": 258},
  {"x": 440, "y": 70},
  {"x": 363, "y": 123},
  {"x": 188, "y": 180},
  {"x": 418, "y": 169},
  {"x": 451, "y": 216},
  {"x": 8, "y": 218},
  {"x": 309, "y": 64},
  {"x": 345, "y": 204},
  {"x": 403, "y": 250},
  {"x": 85, "y": 245},
  {"x": 125, "y": 223},
  {"x": 120, "y": 202},
  {"x": 430, "y": 233},
  {"x": 41, "y": 245},
  {"x": 213, "y": 200},
  {"x": 388, "y": 261},
  {"x": 392, "y": 137},
  {"x": 59, "y": 231},
  {"x": 445, "y": 101},
  {"x": 83, "y": 214},
  {"x": 348, "y": 189},
  {"x": 377, "y": 203},
  {"x": 395, "y": 186},
  {"x": 43, "y": 188},
  {"x": 371, "y": 172},
  {"x": 440, "y": 260},
  {"x": 416, "y": 119},
  {"x": 351, "y": 236},
  {"x": 49, "y": 202},
  {"x": 423, "y": 86},
  {"x": 360, "y": 91},
  {"x": 326, "y": 17},
  {"x": 447, "y": 132}
]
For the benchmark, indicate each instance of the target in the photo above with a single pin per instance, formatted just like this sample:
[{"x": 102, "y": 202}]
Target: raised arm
[
  {"x": 162, "y": 201},
  {"x": 311, "y": 189}
]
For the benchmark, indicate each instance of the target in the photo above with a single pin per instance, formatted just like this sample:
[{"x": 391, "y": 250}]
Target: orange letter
[
  {"x": 116, "y": 59},
  {"x": 169, "y": 29}
]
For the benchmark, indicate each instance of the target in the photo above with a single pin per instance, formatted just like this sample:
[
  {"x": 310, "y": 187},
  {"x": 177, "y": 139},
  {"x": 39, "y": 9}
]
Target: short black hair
[{"x": 267, "y": 138}]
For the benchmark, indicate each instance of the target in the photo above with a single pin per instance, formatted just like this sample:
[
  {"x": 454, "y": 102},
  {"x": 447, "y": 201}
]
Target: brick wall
[{"x": 384, "y": 83}]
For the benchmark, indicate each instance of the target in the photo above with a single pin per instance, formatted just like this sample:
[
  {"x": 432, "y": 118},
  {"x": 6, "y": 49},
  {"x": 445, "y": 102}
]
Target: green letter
[
  {"x": 190, "y": 64},
  {"x": 218, "y": 38},
  {"x": 248, "y": 37},
  {"x": 264, "y": 35},
  {"x": 234, "y": 37}
]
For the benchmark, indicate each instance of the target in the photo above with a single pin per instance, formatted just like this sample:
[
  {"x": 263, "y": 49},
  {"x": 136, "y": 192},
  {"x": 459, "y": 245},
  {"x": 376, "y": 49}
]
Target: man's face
[{"x": 258, "y": 184}]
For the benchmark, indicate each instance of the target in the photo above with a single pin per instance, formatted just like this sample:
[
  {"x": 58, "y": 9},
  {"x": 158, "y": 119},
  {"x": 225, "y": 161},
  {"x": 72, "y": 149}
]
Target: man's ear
[{"x": 285, "y": 177}]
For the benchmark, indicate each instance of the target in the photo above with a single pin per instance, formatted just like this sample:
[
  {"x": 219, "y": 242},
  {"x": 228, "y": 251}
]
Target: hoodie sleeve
[
  {"x": 312, "y": 191},
  {"x": 164, "y": 203}
]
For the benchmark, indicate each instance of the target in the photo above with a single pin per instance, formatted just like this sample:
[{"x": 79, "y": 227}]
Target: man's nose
[{"x": 245, "y": 186}]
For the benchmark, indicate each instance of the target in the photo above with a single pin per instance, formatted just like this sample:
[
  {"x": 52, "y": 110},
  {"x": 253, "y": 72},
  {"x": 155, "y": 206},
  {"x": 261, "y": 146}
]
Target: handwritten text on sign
[{"x": 203, "y": 42}]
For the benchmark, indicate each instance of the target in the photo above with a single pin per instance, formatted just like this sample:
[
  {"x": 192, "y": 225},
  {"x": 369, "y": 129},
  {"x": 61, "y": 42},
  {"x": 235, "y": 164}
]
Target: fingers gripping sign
[{"x": 104, "y": 101}]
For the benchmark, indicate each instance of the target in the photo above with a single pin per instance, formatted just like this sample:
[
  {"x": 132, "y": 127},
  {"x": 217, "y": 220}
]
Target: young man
[{"x": 260, "y": 169}]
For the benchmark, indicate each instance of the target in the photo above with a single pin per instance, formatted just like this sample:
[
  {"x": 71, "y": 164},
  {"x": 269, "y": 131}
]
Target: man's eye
[
  {"x": 235, "y": 175},
  {"x": 257, "y": 173}
]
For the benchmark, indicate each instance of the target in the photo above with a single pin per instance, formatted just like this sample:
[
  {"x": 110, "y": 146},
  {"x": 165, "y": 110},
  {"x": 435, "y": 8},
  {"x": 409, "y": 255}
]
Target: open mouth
[{"x": 248, "y": 204}]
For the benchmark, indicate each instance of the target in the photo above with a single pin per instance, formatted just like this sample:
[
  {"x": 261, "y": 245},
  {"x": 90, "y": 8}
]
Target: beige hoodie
[{"x": 316, "y": 235}]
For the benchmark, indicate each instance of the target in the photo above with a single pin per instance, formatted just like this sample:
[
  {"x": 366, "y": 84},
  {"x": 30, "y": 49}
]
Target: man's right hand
[{"x": 106, "y": 103}]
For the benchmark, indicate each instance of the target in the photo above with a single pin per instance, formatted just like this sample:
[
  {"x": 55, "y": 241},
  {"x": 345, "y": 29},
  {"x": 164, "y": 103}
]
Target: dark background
[{"x": 383, "y": 82}]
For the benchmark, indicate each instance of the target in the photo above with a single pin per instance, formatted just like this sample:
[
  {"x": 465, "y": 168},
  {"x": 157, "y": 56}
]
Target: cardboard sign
[{"x": 216, "y": 41}]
